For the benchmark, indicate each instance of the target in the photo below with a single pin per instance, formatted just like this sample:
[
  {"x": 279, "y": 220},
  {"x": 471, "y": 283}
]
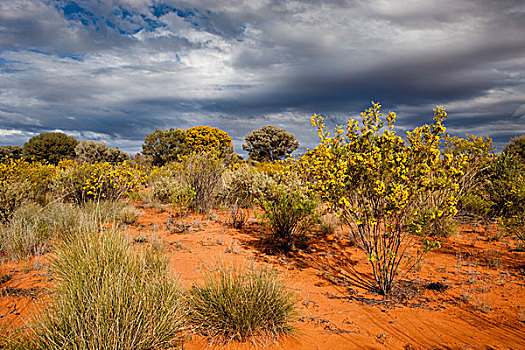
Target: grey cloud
[{"x": 120, "y": 68}]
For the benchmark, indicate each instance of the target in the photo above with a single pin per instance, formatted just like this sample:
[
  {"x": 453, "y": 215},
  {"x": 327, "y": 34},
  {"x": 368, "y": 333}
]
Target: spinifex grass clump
[
  {"x": 237, "y": 304},
  {"x": 32, "y": 228},
  {"x": 108, "y": 296},
  {"x": 26, "y": 234}
]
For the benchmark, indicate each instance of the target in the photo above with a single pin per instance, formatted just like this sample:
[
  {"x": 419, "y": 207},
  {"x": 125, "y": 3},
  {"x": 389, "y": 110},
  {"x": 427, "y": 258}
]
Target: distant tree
[
  {"x": 516, "y": 146},
  {"x": 93, "y": 151},
  {"x": 208, "y": 139},
  {"x": 169, "y": 145},
  {"x": 116, "y": 155},
  {"x": 165, "y": 146},
  {"x": 50, "y": 146},
  {"x": 14, "y": 152},
  {"x": 270, "y": 143}
]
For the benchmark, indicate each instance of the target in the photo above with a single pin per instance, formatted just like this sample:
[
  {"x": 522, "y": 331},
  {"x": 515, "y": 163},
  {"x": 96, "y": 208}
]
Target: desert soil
[{"x": 468, "y": 294}]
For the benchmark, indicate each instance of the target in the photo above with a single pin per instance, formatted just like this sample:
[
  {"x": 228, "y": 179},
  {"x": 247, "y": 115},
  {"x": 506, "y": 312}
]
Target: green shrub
[
  {"x": 109, "y": 296},
  {"x": 202, "y": 172},
  {"x": 516, "y": 147},
  {"x": 182, "y": 198},
  {"x": 163, "y": 188},
  {"x": 237, "y": 304},
  {"x": 476, "y": 205},
  {"x": 81, "y": 182},
  {"x": 505, "y": 184},
  {"x": 243, "y": 185},
  {"x": 93, "y": 151},
  {"x": 12, "y": 195},
  {"x": 427, "y": 223},
  {"x": 22, "y": 181},
  {"x": 505, "y": 188},
  {"x": 14, "y": 152},
  {"x": 50, "y": 147},
  {"x": 288, "y": 212}
]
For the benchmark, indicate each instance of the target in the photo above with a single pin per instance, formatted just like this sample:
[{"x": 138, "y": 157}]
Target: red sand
[{"x": 482, "y": 307}]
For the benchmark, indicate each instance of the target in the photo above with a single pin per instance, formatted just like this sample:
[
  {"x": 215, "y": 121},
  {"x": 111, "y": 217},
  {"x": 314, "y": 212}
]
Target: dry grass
[
  {"x": 109, "y": 296},
  {"x": 239, "y": 304}
]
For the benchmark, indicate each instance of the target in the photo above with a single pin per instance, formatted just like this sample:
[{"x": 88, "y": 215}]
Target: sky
[{"x": 114, "y": 70}]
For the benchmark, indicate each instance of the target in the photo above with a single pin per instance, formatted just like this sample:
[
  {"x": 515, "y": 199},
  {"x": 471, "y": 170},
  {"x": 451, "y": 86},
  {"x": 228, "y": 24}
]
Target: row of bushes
[
  {"x": 22, "y": 181},
  {"x": 52, "y": 147}
]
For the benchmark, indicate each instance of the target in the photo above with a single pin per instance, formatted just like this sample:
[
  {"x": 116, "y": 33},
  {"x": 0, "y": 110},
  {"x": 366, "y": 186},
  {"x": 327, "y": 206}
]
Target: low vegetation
[
  {"x": 109, "y": 296},
  {"x": 242, "y": 303},
  {"x": 396, "y": 197}
]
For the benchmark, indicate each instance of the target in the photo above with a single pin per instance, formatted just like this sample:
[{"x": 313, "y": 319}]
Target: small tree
[
  {"x": 165, "y": 146},
  {"x": 375, "y": 180},
  {"x": 208, "y": 139},
  {"x": 50, "y": 146},
  {"x": 14, "y": 152},
  {"x": 270, "y": 143}
]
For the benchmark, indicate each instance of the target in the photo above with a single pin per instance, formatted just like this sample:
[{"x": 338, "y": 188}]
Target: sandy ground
[{"x": 469, "y": 294}]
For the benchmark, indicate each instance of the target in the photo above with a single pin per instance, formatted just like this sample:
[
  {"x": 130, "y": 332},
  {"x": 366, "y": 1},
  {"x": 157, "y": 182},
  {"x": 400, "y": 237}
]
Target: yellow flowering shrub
[
  {"x": 81, "y": 182},
  {"x": 21, "y": 181},
  {"x": 207, "y": 139},
  {"x": 471, "y": 155},
  {"x": 374, "y": 179}
]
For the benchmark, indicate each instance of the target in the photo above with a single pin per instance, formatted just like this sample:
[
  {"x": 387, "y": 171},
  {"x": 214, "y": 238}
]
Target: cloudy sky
[{"x": 115, "y": 70}]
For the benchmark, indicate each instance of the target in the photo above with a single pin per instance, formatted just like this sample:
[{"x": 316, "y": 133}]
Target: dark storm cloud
[{"x": 117, "y": 69}]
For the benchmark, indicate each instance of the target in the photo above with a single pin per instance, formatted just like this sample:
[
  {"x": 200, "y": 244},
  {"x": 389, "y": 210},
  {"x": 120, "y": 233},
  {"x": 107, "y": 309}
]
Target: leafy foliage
[
  {"x": 375, "y": 180},
  {"x": 288, "y": 213},
  {"x": 163, "y": 188},
  {"x": 244, "y": 185},
  {"x": 81, "y": 182},
  {"x": 92, "y": 151},
  {"x": 516, "y": 146},
  {"x": 270, "y": 143},
  {"x": 50, "y": 147},
  {"x": 505, "y": 191},
  {"x": 165, "y": 146}
]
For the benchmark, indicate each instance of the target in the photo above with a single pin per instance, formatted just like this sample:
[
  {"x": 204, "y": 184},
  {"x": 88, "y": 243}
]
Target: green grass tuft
[
  {"x": 109, "y": 296},
  {"x": 239, "y": 304}
]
